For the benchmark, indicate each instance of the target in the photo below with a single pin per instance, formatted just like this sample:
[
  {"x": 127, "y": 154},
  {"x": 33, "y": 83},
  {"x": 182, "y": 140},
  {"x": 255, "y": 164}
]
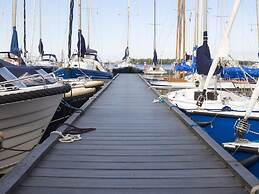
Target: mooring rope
[
  {"x": 254, "y": 189},
  {"x": 65, "y": 103},
  {"x": 68, "y": 138},
  {"x": 72, "y": 134}
]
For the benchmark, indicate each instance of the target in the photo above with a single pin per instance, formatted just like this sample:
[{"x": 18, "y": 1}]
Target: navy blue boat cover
[
  {"x": 40, "y": 47},
  {"x": 81, "y": 44},
  {"x": 14, "y": 43},
  {"x": 70, "y": 27},
  {"x": 126, "y": 54},
  {"x": 203, "y": 59},
  {"x": 155, "y": 58}
]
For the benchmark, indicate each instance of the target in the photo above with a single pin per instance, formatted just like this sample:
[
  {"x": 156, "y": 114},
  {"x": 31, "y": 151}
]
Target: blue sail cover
[
  {"x": 70, "y": 73},
  {"x": 238, "y": 73},
  {"x": 185, "y": 67},
  {"x": 14, "y": 43},
  {"x": 40, "y": 47},
  {"x": 155, "y": 57},
  {"x": 70, "y": 27},
  {"x": 81, "y": 44},
  {"x": 126, "y": 54},
  {"x": 194, "y": 58}
]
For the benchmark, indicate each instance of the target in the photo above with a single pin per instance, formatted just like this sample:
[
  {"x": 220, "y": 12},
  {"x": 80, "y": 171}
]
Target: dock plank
[
  {"x": 130, "y": 174},
  {"x": 119, "y": 183},
  {"x": 132, "y": 165},
  {"x": 138, "y": 147},
  {"x": 66, "y": 190}
]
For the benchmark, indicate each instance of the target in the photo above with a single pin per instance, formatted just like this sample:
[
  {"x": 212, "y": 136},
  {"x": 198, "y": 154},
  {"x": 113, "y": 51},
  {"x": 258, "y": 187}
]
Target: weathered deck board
[
  {"x": 139, "y": 147},
  {"x": 66, "y": 190}
]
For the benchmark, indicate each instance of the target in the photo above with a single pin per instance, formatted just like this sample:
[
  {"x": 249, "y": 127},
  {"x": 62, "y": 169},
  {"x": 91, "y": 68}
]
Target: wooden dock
[{"x": 138, "y": 147}]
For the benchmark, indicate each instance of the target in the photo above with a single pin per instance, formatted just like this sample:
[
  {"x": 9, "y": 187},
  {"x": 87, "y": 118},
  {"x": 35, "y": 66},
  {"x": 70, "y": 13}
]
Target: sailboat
[
  {"x": 211, "y": 105},
  {"x": 155, "y": 69},
  {"x": 82, "y": 85},
  {"x": 27, "y": 104},
  {"x": 46, "y": 61},
  {"x": 178, "y": 81},
  {"x": 126, "y": 66},
  {"x": 245, "y": 147},
  {"x": 86, "y": 58}
]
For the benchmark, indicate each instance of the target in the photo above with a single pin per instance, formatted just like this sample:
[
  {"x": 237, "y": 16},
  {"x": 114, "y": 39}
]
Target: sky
[{"x": 109, "y": 27}]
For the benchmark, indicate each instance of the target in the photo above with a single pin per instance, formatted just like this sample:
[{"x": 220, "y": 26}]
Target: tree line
[
  {"x": 172, "y": 61},
  {"x": 149, "y": 61}
]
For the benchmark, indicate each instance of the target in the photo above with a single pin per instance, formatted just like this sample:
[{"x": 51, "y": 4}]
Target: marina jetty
[{"x": 137, "y": 147}]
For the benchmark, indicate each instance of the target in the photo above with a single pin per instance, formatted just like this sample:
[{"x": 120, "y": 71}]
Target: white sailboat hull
[
  {"x": 89, "y": 64},
  {"x": 191, "y": 85},
  {"x": 22, "y": 125},
  {"x": 227, "y": 103}
]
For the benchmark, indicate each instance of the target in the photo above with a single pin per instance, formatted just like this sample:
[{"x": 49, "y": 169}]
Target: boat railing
[
  {"x": 9, "y": 84},
  {"x": 89, "y": 77}
]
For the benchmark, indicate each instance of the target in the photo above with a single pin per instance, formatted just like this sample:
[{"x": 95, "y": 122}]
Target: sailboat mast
[
  {"x": 14, "y": 9},
  {"x": 222, "y": 45},
  {"x": 40, "y": 18},
  {"x": 182, "y": 56},
  {"x": 257, "y": 24},
  {"x": 89, "y": 22},
  {"x": 79, "y": 16},
  {"x": 154, "y": 25},
  {"x": 71, "y": 15},
  {"x": 24, "y": 28},
  {"x": 205, "y": 25},
  {"x": 195, "y": 24},
  {"x": 199, "y": 37},
  {"x": 14, "y": 48},
  {"x": 128, "y": 35},
  {"x": 180, "y": 35},
  {"x": 177, "y": 55},
  {"x": 40, "y": 47},
  {"x": 255, "y": 93},
  {"x": 79, "y": 28}
]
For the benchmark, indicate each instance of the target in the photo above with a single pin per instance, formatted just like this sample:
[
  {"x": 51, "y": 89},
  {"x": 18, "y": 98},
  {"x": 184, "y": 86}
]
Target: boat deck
[{"x": 138, "y": 147}]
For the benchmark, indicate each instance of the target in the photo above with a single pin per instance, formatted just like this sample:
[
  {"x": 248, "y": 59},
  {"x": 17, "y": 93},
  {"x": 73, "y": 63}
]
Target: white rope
[
  {"x": 253, "y": 132},
  {"x": 68, "y": 138},
  {"x": 160, "y": 99}
]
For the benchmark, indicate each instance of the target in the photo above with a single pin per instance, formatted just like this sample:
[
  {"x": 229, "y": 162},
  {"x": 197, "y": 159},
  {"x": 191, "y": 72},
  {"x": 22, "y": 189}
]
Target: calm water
[{"x": 167, "y": 67}]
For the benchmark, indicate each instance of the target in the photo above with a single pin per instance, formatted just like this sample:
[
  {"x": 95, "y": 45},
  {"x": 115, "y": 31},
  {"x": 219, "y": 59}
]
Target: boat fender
[
  {"x": 204, "y": 124},
  {"x": 250, "y": 161},
  {"x": 226, "y": 108}
]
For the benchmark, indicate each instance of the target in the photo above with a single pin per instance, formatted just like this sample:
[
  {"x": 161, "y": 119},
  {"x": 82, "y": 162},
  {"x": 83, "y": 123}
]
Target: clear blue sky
[{"x": 109, "y": 27}]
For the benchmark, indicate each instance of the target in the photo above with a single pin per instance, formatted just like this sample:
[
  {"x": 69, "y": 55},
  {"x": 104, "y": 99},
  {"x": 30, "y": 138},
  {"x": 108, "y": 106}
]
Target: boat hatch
[{"x": 213, "y": 95}]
